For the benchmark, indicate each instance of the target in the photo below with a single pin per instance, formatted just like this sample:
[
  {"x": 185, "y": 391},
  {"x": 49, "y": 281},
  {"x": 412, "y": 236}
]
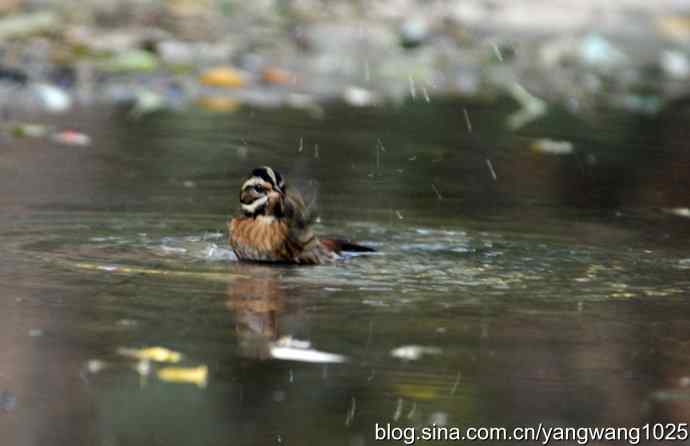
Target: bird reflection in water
[{"x": 256, "y": 301}]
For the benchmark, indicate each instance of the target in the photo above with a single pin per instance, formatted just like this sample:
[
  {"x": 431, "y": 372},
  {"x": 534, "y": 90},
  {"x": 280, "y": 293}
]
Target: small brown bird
[{"x": 276, "y": 225}]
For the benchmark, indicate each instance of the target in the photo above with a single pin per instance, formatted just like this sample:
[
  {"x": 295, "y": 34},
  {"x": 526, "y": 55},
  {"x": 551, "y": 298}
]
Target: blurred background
[{"x": 521, "y": 167}]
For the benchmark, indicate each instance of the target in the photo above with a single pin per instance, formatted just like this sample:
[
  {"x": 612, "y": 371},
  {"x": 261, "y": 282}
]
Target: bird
[{"x": 276, "y": 225}]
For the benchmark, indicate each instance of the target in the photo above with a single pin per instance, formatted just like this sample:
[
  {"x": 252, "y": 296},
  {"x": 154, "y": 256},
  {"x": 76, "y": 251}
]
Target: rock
[
  {"x": 8, "y": 401},
  {"x": 414, "y": 32},
  {"x": 280, "y": 76},
  {"x": 12, "y": 74},
  {"x": 132, "y": 60},
  {"x": 27, "y": 24},
  {"x": 675, "y": 64},
  {"x": 596, "y": 51},
  {"x": 52, "y": 98}
]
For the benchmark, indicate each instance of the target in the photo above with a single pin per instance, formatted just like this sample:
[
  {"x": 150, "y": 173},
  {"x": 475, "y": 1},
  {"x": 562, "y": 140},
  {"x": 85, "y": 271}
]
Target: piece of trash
[
  {"x": 222, "y": 77},
  {"x": 72, "y": 138},
  {"x": 192, "y": 375},
  {"x": 290, "y": 349},
  {"x": 35, "y": 332},
  {"x": 552, "y": 147},
  {"x": 158, "y": 354},
  {"x": 414, "y": 352},
  {"x": 53, "y": 99}
]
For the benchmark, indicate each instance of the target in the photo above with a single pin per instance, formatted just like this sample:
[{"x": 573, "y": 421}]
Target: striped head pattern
[{"x": 262, "y": 192}]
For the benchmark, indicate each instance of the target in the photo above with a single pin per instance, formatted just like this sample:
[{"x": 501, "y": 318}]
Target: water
[{"x": 543, "y": 288}]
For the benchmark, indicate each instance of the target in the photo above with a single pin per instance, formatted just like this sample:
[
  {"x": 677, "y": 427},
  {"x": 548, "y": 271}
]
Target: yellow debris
[
  {"x": 158, "y": 354},
  {"x": 192, "y": 375},
  {"x": 222, "y": 77},
  {"x": 219, "y": 104}
]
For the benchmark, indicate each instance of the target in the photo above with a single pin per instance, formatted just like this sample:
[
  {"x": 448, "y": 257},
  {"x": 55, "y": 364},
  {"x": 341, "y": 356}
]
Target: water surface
[{"x": 542, "y": 288}]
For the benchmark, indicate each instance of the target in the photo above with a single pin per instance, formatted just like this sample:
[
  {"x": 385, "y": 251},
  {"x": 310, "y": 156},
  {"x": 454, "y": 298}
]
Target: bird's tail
[{"x": 340, "y": 245}]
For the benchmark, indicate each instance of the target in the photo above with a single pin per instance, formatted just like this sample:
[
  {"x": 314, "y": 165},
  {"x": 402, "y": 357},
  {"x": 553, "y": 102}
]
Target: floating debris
[
  {"x": 35, "y": 332},
  {"x": 414, "y": 352},
  {"x": 552, "y": 147},
  {"x": 72, "y": 138},
  {"x": 192, "y": 375},
  {"x": 289, "y": 341},
  {"x": 222, "y": 77},
  {"x": 290, "y": 349},
  {"x": 158, "y": 354},
  {"x": 680, "y": 212}
]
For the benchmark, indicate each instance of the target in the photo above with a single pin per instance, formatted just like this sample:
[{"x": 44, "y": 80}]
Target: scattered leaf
[
  {"x": 192, "y": 375},
  {"x": 158, "y": 354}
]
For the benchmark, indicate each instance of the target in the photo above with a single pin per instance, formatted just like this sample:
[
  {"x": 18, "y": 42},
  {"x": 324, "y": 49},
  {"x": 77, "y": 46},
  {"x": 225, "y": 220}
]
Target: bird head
[{"x": 262, "y": 193}]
